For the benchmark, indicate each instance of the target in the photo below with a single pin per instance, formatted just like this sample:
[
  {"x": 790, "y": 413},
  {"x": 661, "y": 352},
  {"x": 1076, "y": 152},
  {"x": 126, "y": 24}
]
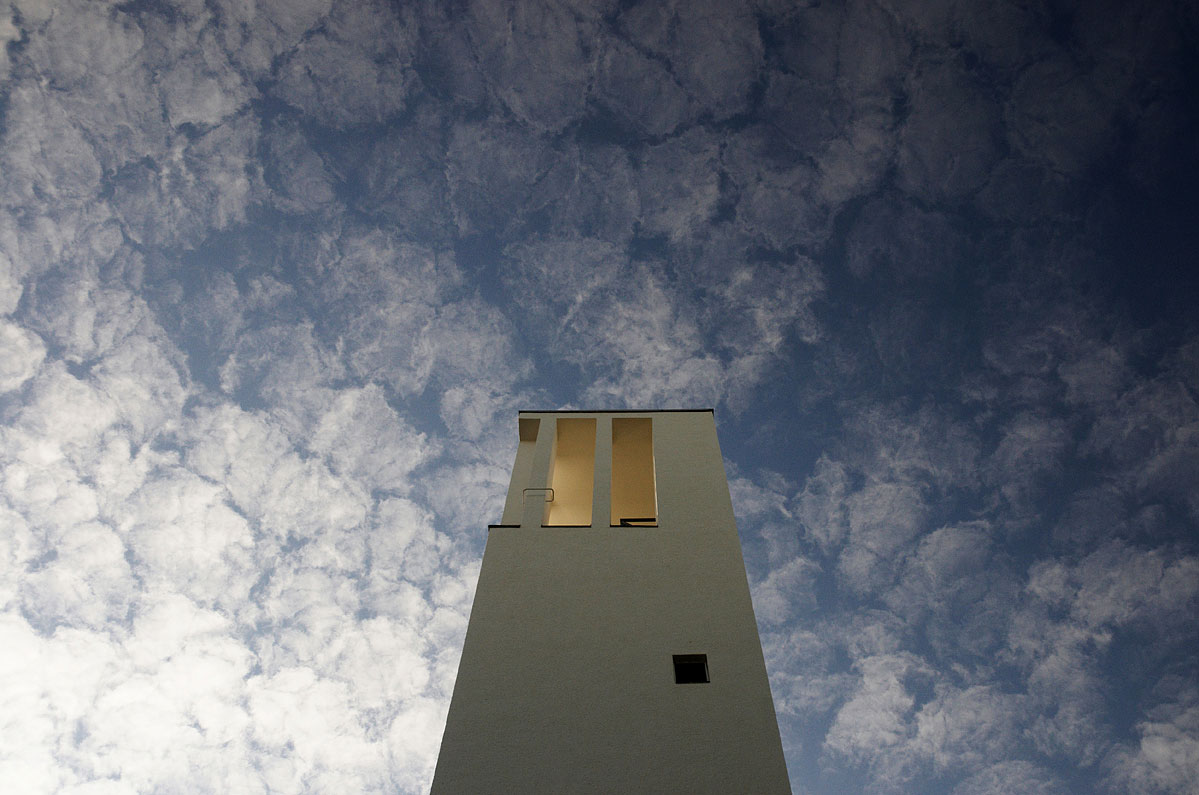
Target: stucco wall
[{"x": 566, "y": 682}]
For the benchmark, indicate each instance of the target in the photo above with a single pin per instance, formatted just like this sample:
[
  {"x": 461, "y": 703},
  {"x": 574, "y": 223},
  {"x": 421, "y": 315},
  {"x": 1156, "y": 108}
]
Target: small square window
[{"x": 690, "y": 669}]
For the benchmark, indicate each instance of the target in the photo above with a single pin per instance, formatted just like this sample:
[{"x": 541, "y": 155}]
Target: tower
[{"x": 612, "y": 645}]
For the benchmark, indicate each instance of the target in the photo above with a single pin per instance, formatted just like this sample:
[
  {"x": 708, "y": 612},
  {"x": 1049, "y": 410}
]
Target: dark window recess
[{"x": 691, "y": 669}]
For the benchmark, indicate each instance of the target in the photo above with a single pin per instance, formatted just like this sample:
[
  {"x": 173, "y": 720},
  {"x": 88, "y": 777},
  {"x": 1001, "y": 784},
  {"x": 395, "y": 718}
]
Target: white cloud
[
  {"x": 821, "y": 505},
  {"x": 11, "y": 288},
  {"x": 18, "y": 548},
  {"x": 537, "y": 57},
  {"x": 884, "y": 519},
  {"x": 356, "y": 68},
  {"x": 86, "y": 584},
  {"x": 184, "y": 537},
  {"x": 365, "y": 439},
  {"x": 777, "y": 205},
  {"x": 192, "y": 187},
  {"x": 254, "y": 34},
  {"x": 679, "y": 183},
  {"x": 951, "y": 138},
  {"x": 658, "y": 351},
  {"x": 804, "y": 686},
  {"x": 1058, "y": 114},
  {"x": 962, "y": 729},
  {"x": 47, "y": 686},
  {"x": 44, "y": 154},
  {"x": 639, "y": 90},
  {"x": 1166, "y": 757},
  {"x": 268, "y": 481},
  {"x": 177, "y": 712},
  {"x": 1011, "y": 776},
  {"x": 787, "y": 590},
  {"x": 300, "y": 176},
  {"x": 1064, "y": 637},
  {"x": 308, "y": 724},
  {"x": 21, "y": 353},
  {"x": 492, "y": 168},
  {"x": 201, "y": 87},
  {"x": 1031, "y": 448},
  {"x": 879, "y": 714},
  {"x": 714, "y": 50},
  {"x": 413, "y": 740}
]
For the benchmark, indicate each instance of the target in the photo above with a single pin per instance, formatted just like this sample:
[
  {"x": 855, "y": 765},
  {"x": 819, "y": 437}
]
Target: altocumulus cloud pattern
[{"x": 275, "y": 276}]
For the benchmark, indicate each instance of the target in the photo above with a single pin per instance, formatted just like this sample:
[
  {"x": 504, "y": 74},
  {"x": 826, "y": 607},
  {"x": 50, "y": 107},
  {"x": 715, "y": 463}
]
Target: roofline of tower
[{"x": 610, "y": 411}]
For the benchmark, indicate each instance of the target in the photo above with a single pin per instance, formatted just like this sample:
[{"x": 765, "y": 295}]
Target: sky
[{"x": 276, "y": 276}]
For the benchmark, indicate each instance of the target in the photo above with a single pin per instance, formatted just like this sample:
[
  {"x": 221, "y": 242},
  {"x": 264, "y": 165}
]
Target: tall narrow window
[
  {"x": 634, "y": 492},
  {"x": 573, "y": 479}
]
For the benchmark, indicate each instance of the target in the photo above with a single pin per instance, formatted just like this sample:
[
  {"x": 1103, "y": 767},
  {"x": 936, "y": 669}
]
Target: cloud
[
  {"x": 1113, "y": 598},
  {"x": 48, "y": 685},
  {"x": 355, "y": 69},
  {"x": 298, "y": 174},
  {"x": 821, "y": 505},
  {"x": 254, "y": 35},
  {"x": 492, "y": 169},
  {"x": 714, "y": 50},
  {"x": 401, "y": 316},
  {"x": 778, "y": 202},
  {"x": 883, "y": 519},
  {"x": 273, "y": 275},
  {"x": 952, "y": 136},
  {"x": 650, "y": 336},
  {"x": 44, "y": 154},
  {"x": 183, "y": 536},
  {"x": 787, "y": 590},
  {"x": 537, "y": 57},
  {"x": 640, "y": 91},
  {"x": 404, "y": 179},
  {"x": 1032, "y": 447},
  {"x": 195, "y": 185},
  {"x": 803, "y": 675},
  {"x": 86, "y": 584},
  {"x": 679, "y": 185},
  {"x": 957, "y": 588},
  {"x": 201, "y": 87},
  {"x": 1057, "y": 115},
  {"x": 381, "y": 457},
  {"x": 961, "y": 729},
  {"x": 23, "y": 353},
  {"x": 267, "y": 480},
  {"x": 1011, "y": 776},
  {"x": 1150, "y": 432},
  {"x": 878, "y": 716},
  {"x": 1166, "y": 756}
]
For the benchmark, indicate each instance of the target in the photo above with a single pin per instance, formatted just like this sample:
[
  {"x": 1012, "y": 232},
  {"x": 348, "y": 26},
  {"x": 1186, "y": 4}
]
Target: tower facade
[{"x": 612, "y": 645}]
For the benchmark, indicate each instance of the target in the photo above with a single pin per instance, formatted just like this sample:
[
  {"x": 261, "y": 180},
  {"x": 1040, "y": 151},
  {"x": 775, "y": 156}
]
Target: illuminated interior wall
[
  {"x": 573, "y": 478},
  {"x": 634, "y": 491}
]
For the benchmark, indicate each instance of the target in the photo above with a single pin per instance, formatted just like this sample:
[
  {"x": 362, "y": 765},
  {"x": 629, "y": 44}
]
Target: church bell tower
[{"x": 612, "y": 646}]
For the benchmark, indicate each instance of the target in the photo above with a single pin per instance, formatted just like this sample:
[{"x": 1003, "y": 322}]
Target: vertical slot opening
[
  {"x": 573, "y": 479},
  {"x": 634, "y": 491}
]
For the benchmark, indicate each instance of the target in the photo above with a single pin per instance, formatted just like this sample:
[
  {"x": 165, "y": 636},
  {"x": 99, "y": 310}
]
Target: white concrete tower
[{"x": 612, "y": 646}]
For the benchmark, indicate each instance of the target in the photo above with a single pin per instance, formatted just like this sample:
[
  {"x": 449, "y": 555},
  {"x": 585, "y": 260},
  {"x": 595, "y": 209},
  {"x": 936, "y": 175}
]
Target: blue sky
[{"x": 275, "y": 278}]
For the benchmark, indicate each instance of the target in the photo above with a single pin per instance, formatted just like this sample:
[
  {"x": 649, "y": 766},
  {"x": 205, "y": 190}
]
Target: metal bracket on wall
[{"x": 524, "y": 493}]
